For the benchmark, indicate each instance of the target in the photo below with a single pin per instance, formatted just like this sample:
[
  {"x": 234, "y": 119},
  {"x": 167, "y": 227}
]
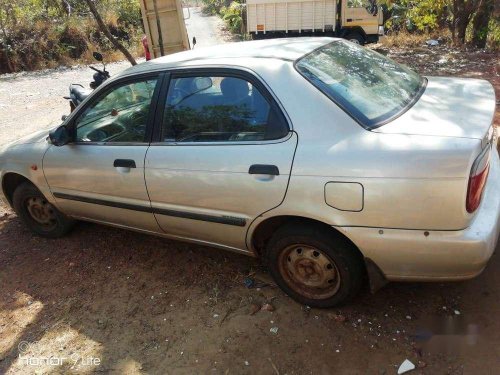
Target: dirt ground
[{"x": 107, "y": 300}]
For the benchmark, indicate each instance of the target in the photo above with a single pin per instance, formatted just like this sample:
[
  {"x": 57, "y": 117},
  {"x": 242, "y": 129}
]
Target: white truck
[{"x": 360, "y": 21}]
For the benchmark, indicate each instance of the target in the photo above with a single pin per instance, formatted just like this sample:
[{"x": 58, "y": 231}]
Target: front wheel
[
  {"x": 314, "y": 265},
  {"x": 356, "y": 38},
  {"x": 38, "y": 214}
]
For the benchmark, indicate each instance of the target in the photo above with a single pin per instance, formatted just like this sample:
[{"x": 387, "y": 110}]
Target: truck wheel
[
  {"x": 355, "y": 38},
  {"x": 314, "y": 266},
  {"x": 38, "y": 214}
]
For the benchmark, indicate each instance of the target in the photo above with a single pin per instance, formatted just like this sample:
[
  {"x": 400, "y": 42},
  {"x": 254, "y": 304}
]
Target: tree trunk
[
  {"x": 462, "y": 23},
  {"x": 6, "y": 53},
  {"x": 463, "y": 11},
  {"x": 480, "y": 23},
  {"x": 108, "y": 34}
]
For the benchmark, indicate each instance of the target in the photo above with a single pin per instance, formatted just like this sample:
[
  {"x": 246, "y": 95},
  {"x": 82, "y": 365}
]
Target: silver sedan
[{"x": 328, "y": 161}]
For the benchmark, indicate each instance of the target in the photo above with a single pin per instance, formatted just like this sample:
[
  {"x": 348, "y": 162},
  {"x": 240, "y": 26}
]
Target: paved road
[
  {"x": 34, "y": 100},
  {"x": 206, "y": 29}
]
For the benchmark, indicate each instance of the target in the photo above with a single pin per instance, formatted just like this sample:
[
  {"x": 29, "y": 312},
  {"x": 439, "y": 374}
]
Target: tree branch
[{"x": 108, "y": 34}]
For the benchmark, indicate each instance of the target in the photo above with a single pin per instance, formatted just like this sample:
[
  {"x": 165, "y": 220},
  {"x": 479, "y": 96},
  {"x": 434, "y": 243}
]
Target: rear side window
[{"x": 219, "y": 109}]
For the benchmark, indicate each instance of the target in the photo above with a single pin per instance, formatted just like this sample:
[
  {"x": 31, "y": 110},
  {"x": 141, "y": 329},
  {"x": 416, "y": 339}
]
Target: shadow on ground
[{"x": 143, "y": 304}]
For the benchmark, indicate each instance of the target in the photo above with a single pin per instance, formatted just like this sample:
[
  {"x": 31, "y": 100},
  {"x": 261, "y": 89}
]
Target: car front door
[
  {"x": 99, "y": 176},
  {"x": 222, "y": 156}
]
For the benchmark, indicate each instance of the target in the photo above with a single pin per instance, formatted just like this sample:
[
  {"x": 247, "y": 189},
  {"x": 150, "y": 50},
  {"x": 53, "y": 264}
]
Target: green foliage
[
  {"x": 213, "y": 7},
  {"x": 427, "y": 16},
  {"x": 43, "y": 33},
  {"x": 422, "y": 15},
  {"x": 494, "y": 33},
  {"x": 231, "y": 12},
  {"x": 233, "y": 16}
]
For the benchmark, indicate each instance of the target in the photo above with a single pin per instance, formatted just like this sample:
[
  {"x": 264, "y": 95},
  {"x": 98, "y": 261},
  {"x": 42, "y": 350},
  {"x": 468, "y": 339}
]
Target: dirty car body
[{"x": 326, "y": 160}]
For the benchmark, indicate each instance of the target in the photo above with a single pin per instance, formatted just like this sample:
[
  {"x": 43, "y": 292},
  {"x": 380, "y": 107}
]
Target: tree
[
  {"x": 108, "y": 34},
  {"x": 481, "y": 22}
]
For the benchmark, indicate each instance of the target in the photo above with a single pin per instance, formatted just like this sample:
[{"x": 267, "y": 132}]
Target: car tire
[
  {"x": 314, "y": 265},
  {"x": 356, "y": 38},
  {"x": 38, "y": 214}
]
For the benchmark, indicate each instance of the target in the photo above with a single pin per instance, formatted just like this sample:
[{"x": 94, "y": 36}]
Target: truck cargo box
[
  {"x": 165, "y": 27},
  {"x": 291, "y": 15}
]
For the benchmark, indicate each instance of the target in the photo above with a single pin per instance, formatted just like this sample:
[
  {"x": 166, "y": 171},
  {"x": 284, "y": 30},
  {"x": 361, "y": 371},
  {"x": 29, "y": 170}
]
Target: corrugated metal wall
[{"x": 281, "y": 15}]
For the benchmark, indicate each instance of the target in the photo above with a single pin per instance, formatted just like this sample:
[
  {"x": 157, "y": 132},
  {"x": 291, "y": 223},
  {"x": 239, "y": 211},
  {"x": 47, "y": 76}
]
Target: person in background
[{"x": 146, "y": 48}]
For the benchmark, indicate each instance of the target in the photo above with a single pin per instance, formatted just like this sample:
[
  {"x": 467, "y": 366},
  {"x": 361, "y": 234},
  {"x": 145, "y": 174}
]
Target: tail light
[{"x": 477, "y": 180}]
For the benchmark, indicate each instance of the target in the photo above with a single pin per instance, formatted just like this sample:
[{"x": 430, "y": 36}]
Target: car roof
[{"x": 289, "y": 49}]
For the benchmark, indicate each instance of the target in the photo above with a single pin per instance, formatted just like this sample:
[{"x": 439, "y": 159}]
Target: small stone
[
  {"x": 216, "y": 316},
  {"x": 405, "y": 367},
  {"x": 457, "y": 312},
  {"x": 247, "y": 363},
  {"x": 408, "y": 317},
  {"x": 268, "y": 307},
  {"x": 337, "y": 317},
  {"x": 254, "y": 308},
  {"x": 421, "y": 364},
  {"x": 274, "y": 330}
]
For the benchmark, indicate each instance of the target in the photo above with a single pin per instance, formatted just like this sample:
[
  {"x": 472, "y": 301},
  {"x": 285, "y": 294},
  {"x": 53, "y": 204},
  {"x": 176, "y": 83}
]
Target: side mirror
[
  {"x": 60, "y": 136},
  {"x": 97, "y": 56},
  {"x": 194, "y": 41}
]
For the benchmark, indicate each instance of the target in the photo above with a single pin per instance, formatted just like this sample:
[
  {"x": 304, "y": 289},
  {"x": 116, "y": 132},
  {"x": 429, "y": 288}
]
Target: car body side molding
[{"x": 228, "y": 220}]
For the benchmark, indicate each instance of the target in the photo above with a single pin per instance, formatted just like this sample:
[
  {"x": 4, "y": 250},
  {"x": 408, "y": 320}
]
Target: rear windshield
[{"x": 367, "y": 85}]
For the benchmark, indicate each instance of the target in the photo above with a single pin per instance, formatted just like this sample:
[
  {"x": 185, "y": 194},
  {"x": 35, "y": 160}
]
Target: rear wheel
[
  {"x": 38, "y": 214},
  {"x": 315, "y": 267}
]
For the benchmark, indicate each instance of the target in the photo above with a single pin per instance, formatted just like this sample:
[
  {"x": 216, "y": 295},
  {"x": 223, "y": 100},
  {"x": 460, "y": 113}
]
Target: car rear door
[
  {"x": 222, "y": 156},
  {"x": 99, "y": 176}
]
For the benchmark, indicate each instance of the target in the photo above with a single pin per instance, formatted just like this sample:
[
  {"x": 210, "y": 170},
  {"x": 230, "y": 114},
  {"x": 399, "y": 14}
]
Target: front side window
[
  {"x": 367, "y": 85},
  {"x": 120, "y": 115},
  {"x": 219, "y": 109}
]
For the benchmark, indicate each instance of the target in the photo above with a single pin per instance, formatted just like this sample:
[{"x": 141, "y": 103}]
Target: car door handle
[
  {"x": 124, "y": 163},
  {"x": 264, "y": 169}
]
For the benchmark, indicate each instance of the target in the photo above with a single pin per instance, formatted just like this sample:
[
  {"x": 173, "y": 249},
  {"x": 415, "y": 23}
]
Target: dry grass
[
  {"x": 405, "y": 39},
  {"x": 44, "y": 45}
]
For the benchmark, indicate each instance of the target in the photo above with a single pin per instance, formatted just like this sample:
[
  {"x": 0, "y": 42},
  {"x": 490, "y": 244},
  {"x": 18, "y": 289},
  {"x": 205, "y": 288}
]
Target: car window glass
[
  {"x": 219, "y": 109},
  {"x": 119, "y": 116},
  {"x": 369, "y": 86}
]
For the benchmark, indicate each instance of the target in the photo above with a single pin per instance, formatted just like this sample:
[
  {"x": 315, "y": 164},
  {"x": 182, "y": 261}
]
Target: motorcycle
[{"x": 78, "y": 93}]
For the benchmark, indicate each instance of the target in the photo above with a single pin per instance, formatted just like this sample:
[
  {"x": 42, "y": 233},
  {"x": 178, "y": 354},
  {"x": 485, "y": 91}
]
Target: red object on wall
[{"x": 146, "y": 48}]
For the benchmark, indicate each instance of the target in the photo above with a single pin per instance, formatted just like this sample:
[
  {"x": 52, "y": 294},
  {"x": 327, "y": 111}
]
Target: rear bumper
[{"x": 416, "y": 255}]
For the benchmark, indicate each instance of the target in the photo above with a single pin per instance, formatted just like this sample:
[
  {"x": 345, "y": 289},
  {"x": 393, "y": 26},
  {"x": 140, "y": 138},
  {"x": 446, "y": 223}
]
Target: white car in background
[{"x": 327, "y": 160}]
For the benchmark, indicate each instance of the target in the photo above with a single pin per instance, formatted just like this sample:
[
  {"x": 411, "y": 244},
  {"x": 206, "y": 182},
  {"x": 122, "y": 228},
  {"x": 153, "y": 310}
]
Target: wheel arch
[
  {"x": 262, "y": 233},
  {"x": 344, "y": 32},
  {"x": 10, "y": 182}
]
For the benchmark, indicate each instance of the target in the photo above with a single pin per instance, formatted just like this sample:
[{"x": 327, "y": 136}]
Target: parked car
[{"x": 327, "y": 160}]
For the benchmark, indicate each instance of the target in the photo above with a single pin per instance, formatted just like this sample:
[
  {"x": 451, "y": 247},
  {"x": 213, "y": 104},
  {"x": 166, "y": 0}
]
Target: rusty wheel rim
[
  {"x": 309, "y": 271},
  {"x": 41, "y": 212}
]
